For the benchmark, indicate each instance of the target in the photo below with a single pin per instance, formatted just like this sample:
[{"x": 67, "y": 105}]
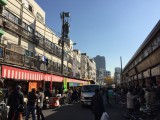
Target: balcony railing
[
  {"x": 6, "y": 23},
  {"x": 30, "y": 62},
  {"x": 13, "y": 57},
  {"x": 16, "y": 58}
]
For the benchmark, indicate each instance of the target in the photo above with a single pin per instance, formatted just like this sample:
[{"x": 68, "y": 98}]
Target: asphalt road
[
  {"x": 70, "y": 112},
  {"x": 77, "y": 112}
]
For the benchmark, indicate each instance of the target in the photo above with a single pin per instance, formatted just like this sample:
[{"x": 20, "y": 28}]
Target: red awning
[
  {"x": 21, "y": 74},
  {"x": 48, "y": 77},
  {"x": 57, "y": 78},
  {"x": 17, "y": 73}
]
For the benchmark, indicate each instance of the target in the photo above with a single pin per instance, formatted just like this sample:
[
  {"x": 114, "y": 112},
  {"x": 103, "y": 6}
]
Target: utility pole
[
  {"x": 121, "y": 67},
  {"x": 65, "y": 31}
]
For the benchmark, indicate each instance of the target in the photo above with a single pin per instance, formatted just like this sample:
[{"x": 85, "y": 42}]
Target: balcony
[
  {"x": 39, "y": 41},
  {"x": 13, "y": 57},
  {"x": 17, "y": 29},
  {"x": 30, "y": 62}
]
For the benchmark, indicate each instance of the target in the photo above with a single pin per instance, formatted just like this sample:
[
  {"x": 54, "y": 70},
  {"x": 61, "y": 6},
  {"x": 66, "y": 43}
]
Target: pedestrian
[
  {"x": 130, "y": 100},
  {"x": 31, "y": 104},
  {"x": 97, "y": 105},
  {"x": 104, "y": 96},
  {"x": 15, "y": 101},
  {"x": 40, "y": 104},
  {"x": 141, "y": 95},
  {"x": 75, "y": 95},
  {"x": 158, "y": 94},
  {"x": 147, "y": 97}
]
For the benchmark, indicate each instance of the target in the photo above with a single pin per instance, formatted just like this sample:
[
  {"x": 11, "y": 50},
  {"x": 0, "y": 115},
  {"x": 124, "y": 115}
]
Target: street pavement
[{"x": 77, "y": 112}]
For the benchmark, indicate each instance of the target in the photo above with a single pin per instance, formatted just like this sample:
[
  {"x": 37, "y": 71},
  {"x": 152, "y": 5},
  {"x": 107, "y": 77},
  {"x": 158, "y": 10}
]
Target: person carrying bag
[
  {"x": 104, "y": 116},
  {"x": 15, "y": 101}
]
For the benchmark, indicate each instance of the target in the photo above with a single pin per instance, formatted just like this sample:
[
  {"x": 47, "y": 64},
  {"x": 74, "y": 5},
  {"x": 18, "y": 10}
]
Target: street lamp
[{"x": 65, "y": 31}]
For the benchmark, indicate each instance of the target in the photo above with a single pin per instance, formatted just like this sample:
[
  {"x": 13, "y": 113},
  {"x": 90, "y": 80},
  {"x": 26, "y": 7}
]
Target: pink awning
[{"x": 21, "y": 74}]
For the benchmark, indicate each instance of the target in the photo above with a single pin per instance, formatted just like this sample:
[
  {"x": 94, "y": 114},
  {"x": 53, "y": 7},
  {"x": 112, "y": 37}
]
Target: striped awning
[{"x": 20, "y": 74}]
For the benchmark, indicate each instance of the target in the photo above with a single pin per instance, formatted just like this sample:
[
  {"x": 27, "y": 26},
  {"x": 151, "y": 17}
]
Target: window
[
  {"x": 11, "y": 17},
  {"x": 158, "y": 40},
  {"x": 1, "y": 52},
  {"x": 30, "y": 8},
  {"x": 39, "y": 37},
  {"x": 27, "y": 27},
  {"x": 53, "y": 48},
  {"x": 48, "y": 44},
  {"x": 28, "y": 53},
  {"x": 30, "y": 29},
  {"x": 146, "y": 51},
  {"x": 39, "y": 17},
  {"x": 5, "y": 13},
  {"x": 28, "y": 5},
  {"x": 59, "y": 52}
]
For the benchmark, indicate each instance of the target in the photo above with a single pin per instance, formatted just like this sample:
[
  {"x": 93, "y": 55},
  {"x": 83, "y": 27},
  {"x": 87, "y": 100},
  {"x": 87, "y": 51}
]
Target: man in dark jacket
[
  {"x": 97, "y": 105},
  {"x": 15, "y": 101},
  {"x": 31, "y": 104}
]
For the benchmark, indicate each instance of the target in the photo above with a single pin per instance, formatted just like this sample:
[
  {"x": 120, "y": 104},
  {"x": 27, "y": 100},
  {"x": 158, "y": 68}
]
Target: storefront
[{"x": 27, "y": 79}]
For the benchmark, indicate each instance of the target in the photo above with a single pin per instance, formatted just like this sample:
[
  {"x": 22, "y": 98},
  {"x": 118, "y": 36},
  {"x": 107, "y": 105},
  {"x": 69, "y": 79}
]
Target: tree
[{"x": 108, "y": 80}]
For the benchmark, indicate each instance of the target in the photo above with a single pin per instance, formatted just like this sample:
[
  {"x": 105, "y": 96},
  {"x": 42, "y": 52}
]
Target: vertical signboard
[{"x": 65, "y": 84}]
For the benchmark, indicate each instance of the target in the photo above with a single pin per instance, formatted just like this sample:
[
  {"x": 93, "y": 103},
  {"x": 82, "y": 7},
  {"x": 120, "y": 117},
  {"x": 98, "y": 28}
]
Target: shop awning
[
  {"x": 76, "y": 81},
  {"x": 56, "y": 78},
  {"x": 20, "y": 74},
  {"x": 48, "y": 77},
  {"x": 53, "y": 78}
]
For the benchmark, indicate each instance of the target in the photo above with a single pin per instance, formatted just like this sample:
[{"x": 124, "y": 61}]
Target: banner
[{"x": 65, "y": 84}]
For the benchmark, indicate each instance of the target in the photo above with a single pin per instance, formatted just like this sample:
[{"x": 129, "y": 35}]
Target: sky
[{"x": 110, "y": 28}]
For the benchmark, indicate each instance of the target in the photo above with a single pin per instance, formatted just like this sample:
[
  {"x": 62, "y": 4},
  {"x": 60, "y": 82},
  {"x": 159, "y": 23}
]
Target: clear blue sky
[{"x": 110, "y": 28}]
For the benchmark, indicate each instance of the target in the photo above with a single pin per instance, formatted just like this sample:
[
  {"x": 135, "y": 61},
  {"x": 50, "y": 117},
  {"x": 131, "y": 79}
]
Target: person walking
[
  {"x": 97, "y": 105},
  {"x": 40, "y": 104},
  {"x": 130, "y": 100},
  {"x": 15, "y": 101},
  {"x": 104, "y": 96},
  {"x": 31, "y": 104}
]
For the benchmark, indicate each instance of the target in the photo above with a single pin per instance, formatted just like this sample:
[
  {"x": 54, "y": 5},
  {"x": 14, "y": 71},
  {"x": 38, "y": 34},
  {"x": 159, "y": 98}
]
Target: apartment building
[
  {"x": 30, "y": 52},
  {"x": 88, "y": 68}
]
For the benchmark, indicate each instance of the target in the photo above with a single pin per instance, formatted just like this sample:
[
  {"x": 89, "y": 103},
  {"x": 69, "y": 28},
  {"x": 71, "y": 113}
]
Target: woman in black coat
[{"x": 97, "y": 105}]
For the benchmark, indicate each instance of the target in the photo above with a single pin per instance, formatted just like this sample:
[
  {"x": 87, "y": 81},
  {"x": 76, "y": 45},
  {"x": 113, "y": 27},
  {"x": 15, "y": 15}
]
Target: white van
[{"x": 87, "y": 93}]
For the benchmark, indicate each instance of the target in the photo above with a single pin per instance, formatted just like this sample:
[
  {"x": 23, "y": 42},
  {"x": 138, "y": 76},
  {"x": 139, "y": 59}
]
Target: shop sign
[
  {"x": 73, "y": 84},
  {"x": 70, "y": 84},
  {"x": 65, "y": 84}
]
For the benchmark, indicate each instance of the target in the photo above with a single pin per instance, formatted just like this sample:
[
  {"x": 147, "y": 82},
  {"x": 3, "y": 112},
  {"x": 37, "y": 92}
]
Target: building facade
[
  {"x": 100, "y": 62},
  {"x": 88, "y": 68},
  {"x": 101, "y": 68},
  {"x": 30, "y": 51},
  {"x": 117, "y": 75}
]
